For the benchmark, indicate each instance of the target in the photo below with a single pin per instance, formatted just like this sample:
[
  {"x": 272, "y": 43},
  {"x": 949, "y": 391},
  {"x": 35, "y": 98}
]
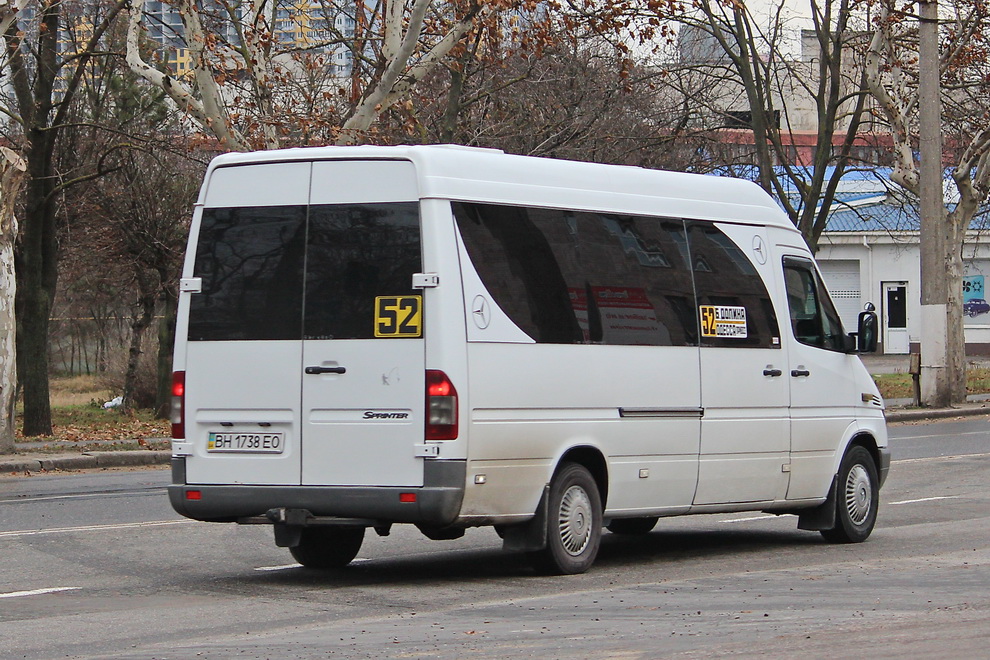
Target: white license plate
[{"x": 252, "y": 443}]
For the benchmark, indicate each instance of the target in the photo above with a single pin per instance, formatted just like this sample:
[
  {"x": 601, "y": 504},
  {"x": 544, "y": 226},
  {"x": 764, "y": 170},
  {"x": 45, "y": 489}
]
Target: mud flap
[
  {"x": 287, "y": 536},
  {"x": 531, "y": 535},
  {"x": 823, "y": 515}
]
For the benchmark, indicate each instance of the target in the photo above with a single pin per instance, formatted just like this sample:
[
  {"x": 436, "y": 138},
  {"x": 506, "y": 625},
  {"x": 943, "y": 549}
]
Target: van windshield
[{"x": 293, "y": 272}]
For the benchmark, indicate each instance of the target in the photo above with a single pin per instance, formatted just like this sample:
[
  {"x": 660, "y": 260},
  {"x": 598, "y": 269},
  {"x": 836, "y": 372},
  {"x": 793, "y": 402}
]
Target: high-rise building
[{"x": 309, "y": 26}]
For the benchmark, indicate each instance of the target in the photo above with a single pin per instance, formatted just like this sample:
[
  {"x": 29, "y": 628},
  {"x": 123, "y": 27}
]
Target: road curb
[
  {"x": 100, "y": 459},
  {"x": 917, "y": 414}
]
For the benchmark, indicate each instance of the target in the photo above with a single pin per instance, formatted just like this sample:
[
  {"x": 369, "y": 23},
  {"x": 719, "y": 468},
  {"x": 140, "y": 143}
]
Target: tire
[
  {"x": 632, "y": 526},
  {"x": 857, "y": 498},
  {"x": 333, "y": 546},
  {"x": 574, "y": 523}
]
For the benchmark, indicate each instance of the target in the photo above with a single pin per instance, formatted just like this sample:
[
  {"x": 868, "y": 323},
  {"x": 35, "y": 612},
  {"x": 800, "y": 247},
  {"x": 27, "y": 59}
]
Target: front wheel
[
  {"x": 326, "y": 547},
  {"x": 574, "y": 523},
  {"x": 857, "y": 498}
]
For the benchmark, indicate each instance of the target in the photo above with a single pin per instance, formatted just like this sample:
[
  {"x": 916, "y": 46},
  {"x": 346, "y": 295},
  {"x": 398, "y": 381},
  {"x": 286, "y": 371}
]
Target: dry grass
[
  {"x": 78, "y": 416},
  {"x": 78, "y": 391},
  {"x": 900, "y": 386}
]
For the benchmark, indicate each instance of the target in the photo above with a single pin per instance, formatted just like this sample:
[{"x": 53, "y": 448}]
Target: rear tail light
[
  {"x": 441, "y": 406},
  {"x": 178, "y": 412}
]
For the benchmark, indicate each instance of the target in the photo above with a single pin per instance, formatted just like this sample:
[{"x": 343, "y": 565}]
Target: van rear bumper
[{"x": 438, "y": 501}]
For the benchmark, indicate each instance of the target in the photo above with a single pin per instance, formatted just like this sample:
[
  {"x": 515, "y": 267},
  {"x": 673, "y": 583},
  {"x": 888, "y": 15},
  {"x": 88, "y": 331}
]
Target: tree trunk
[
  {"x": 955, "y": 233},
  {"x": 8, "y": 364},
  {"x": 37, "y": 276},
  {"x": 144, "y": 314},
  {"x": 166, "y": 339},
  {"x": 11, "y": 179}
]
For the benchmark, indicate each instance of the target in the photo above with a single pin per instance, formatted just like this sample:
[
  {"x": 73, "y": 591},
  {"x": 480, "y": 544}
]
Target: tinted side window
[
  {"x": 513, "y": 257},
  {"x": 250, "y": 261},
  {"x": 734, "y": 306},
  {"x": 355, "y": 253},
  {"x": 814, "y": 320},
  {"x": 568, "y": 277}
]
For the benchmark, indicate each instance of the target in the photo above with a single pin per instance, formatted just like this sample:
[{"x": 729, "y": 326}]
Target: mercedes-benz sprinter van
[{"x": 454, "y": 337}]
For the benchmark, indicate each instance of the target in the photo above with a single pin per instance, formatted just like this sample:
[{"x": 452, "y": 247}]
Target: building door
[{"x": 895, "y": 331}]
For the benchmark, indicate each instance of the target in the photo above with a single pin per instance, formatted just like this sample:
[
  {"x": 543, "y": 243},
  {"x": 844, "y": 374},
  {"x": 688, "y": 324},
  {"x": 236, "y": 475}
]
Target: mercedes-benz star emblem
[
  {"x": 759, "y": 250},
  {"x": 481, "y": 312}
]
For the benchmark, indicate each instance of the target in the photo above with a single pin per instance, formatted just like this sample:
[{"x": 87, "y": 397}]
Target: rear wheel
[
  {"x": 633, "y": 525},
  {"x": 574, "y": 523},
  {"x": 857, "y": 498},
  {"x": 331, "y": 546}
]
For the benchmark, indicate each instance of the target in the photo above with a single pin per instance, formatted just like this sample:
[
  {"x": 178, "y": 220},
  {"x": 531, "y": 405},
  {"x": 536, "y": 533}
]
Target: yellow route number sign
[
  {"x": 399, "y": 316},
  {"x": 723, "y": 322}
]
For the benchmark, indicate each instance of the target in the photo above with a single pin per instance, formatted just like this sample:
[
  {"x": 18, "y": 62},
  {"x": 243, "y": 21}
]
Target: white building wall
[{"x": 886, "y": 258}]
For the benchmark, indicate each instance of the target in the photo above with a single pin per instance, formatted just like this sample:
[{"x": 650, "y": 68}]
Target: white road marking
[
  {"x": 37, "y": 592},
  {"x": 79, "y": 496},
  {"x": 91, "y": 528},
  {"x": 923, "y": 437},
  {"x": 926, "y": 499},
  {"x": 735, "y": 520},
  {"x": 277, "y": 568},
  {"x": 285, "y": 567},
  {"x": 938, "y": 458}
]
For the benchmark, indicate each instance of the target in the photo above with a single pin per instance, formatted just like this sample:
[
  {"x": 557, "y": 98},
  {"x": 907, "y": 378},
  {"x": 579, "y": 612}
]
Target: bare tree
[
  {"x": 964, "y": 72},
  {"x": 44, "y": 74},
  {"x": 11, "y": 179},
  {"x": 746, "y": 58},
  {"x": 242, "y": 72},
  {"x": 578, "y": 100},
  {"x": 145, "y": 204}
]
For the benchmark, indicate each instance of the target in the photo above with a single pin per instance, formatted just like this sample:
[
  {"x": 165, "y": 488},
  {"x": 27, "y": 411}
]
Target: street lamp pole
[{"x": 935, "y": 384}]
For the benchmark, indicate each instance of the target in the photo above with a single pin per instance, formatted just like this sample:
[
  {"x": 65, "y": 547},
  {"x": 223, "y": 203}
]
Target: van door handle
[
  {"x": 773, "y": 373},
  {"x": 326, "y": 370},
  {"x": 797, "y": 373}
]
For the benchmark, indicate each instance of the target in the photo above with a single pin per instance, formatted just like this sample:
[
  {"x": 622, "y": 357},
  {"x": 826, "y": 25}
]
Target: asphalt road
[{"x": 97, "y": 565}]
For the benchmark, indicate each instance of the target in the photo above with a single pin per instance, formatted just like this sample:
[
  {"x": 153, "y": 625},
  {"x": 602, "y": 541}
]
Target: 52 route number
[{"x": 399, "y": 316}]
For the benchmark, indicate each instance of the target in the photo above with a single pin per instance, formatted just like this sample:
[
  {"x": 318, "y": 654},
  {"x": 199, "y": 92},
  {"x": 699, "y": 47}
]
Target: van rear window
[{"x": 293, "y": 272}]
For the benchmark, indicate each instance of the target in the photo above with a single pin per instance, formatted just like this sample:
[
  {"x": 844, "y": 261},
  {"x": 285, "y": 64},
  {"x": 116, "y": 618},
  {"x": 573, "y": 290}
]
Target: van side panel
[
  {"x": 531, "y": 403},
  {"x": 581, "y": 333}
]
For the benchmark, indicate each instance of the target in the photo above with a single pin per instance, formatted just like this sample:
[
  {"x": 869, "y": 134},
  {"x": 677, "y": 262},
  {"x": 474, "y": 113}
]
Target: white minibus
[{"x": 454, "y": 337}]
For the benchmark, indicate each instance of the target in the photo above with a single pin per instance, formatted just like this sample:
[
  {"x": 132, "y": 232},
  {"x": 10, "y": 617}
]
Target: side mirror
[{"x": 866, "y": 334}]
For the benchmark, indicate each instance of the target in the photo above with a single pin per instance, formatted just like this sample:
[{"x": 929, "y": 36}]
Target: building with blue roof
[{"x": 870, "y": 252}]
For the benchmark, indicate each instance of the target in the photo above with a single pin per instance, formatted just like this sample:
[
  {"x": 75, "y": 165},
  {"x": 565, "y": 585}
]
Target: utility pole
[{"x": 935, "y": 384}]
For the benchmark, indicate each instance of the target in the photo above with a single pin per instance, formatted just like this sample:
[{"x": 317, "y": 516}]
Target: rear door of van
[
  {"x": 305, "y": 353},
  {"x": 363, "y": 376}
]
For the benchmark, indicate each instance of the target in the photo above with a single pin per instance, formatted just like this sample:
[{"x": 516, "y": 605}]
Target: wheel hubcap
[
  {"x": 859, "y": 494},
  {"x": 574, "y": 521}
]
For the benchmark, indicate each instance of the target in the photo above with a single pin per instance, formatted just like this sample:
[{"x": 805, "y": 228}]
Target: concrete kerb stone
[
  {"x": 919, "y": 414},
  {"x": 100, "y": 459},
  {"x": 19, "y": 465}
]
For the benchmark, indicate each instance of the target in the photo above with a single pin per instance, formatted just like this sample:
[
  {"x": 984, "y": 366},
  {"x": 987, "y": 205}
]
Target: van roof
[{"x": 490, "y": 175}]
